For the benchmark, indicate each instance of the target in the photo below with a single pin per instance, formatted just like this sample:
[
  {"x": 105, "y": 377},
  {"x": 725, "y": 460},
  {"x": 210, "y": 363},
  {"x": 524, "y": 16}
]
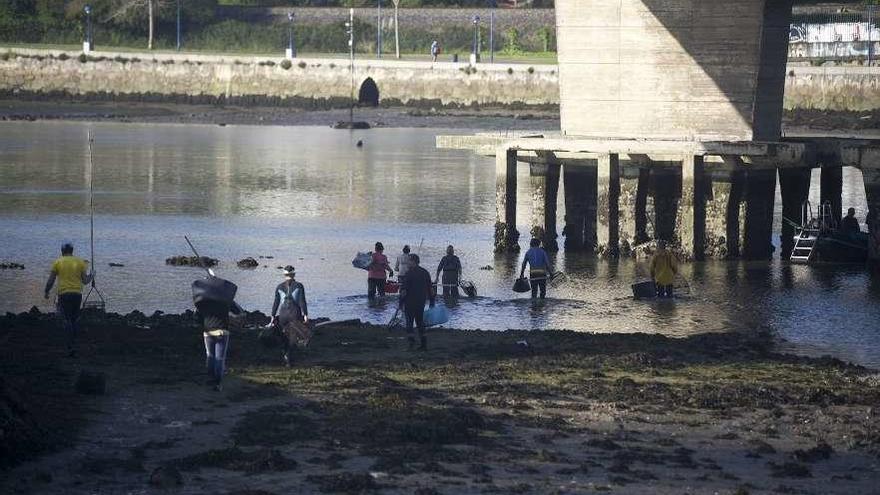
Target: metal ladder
[{"x": 805, "y": 241}]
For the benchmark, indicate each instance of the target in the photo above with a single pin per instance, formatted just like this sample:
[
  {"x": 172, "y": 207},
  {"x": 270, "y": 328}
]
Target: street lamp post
[
  {"x": 378, "y": 28},
  {"x": 350, "y": 30},
  {"x": 178, "y": 25},
  {"x": 87, "y": 44},
  {"x": 493, "y": 4},
  {"x": 291, "y": 44},
  {"x": 475, "y": 56}
]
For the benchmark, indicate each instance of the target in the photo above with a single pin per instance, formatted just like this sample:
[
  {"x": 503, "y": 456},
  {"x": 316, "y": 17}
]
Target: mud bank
[
  {"x": 487, "y": 118},
  {"x": 493, "y": 412}
]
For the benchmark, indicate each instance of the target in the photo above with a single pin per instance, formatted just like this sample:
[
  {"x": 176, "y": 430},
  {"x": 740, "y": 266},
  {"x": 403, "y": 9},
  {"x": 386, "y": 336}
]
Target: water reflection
[{"x": 309, "y": 197}]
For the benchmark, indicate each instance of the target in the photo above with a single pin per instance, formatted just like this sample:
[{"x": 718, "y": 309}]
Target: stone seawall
[
  {"x": 324, "y": 83},
  {"x": 854, "y": 89},
  {"x": 264, "y": 80}
]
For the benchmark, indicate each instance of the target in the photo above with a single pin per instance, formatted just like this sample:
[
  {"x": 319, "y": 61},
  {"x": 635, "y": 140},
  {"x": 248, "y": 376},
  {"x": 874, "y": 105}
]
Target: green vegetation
[{"x": 62, "y": 22}]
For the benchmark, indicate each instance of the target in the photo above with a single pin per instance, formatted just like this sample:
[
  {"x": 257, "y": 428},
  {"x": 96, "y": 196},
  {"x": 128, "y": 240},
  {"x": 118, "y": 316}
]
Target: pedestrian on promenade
[{"x": 435, "y": 50}]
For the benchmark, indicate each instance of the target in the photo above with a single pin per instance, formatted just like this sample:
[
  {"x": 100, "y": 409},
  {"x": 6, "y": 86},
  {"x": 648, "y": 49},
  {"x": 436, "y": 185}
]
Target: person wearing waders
[
  {"x": 450, "y": 268},
  {"x": 415, "y": 291},
  {"x": 213, "y": 314},
  {"x": 403, "y": 264},
  {"x": 376, "y": 272},
  {"x": 663, "y": 269},
  {"x": 290, "y": 307},
  {"x": 70, "y": 272},
  {"x": 539, "y": 268}
]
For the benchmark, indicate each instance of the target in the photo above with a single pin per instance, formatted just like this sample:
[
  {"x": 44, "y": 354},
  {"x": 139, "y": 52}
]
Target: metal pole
[
  {"x": 870, "y": 35},
  {"x": 178, "y": 25},
  {"x": 88, "y": 11},
  {"x": 351, "y": 54},
  {"x": 379, "y": 29},
  {"x": 476, "y": 20},
  {"x": 492, "y": 36}
]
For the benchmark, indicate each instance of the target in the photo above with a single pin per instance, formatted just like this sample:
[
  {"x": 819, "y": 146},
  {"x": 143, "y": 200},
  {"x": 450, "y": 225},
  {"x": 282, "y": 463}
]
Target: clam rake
[{"x": 94, "y": 299}]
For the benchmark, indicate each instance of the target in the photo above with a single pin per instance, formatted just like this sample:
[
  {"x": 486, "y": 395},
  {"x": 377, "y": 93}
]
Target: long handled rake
[{"x": 94, "y": 299}]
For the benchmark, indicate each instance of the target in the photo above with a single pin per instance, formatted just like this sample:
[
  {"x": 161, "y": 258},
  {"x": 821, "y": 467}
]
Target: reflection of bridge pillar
[
  {"x": 545, "y": 191},
  {"x": 795, "y": 186},
  {"x": 506, "y": 235},
  {"x": 580, "y": 202},
  {"x": 608, "y": 205},
  {"x": 692, "y": 208},
  {"x": 723, "y": 198},
  {"x": 831, "y": 189},
  {"x": 760, "y": 199}
]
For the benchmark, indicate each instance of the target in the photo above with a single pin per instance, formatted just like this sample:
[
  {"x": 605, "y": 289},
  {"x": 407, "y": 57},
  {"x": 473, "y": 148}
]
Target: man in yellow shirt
[
  {"x": 664, "y": 267},
  {"x": 70, "y": 272}
]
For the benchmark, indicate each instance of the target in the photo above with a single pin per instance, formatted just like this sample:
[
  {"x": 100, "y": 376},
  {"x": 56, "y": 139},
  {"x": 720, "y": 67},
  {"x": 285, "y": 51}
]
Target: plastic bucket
[
  {"x": 644, "y": 290},
  {"x": 437, "y": 315}
]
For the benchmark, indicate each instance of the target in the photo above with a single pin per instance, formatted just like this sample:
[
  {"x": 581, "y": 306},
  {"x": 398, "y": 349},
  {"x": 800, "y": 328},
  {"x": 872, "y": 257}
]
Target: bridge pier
[
  {"x": 506, "y": 235},
  {"x": 795, "y": 186},
  {"x": 580, "y": 207},
  {"x": 760, "y": 200},
  {"x": 544, "y": 178},
  {"x": 608, "y": 205},
  {"x": 667, "y": 189},
  {"x": 692, "y": 208},
  {"x": 724, "y": 195},
  {"x": 831, "y": 189},
  {"x": 871, "y": 177}
]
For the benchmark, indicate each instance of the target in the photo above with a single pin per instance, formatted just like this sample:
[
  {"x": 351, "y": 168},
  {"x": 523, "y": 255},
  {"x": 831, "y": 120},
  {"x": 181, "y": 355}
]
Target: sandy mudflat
[{"x": 479, "y": 412}]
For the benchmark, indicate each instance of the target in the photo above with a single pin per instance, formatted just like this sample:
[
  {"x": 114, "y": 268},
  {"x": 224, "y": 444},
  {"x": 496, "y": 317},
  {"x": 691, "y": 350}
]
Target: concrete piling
[
  {"x": 608, "y": 206},
  {"x": 692, "y": 207},
  {"x": 760, "y": 199},
  {"x": 795, "y": 186},
  {"x": 580, "y": 202},
  {"x": 831, "y": 189},
  {"x": 506, "y": 235},
  {"x": 544, "y": 178}
]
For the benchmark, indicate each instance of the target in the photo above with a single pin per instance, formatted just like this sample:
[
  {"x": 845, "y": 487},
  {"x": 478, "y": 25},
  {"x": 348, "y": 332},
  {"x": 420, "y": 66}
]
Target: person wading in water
[
  {"x": 290, "y": 310},
  {"x": 376, "y": 272},
  {"x": 663, "y": 269},
  {"x": 450, "y": 268},
  {"x": 70, "y": 272},
  {"x": 539, "y": 268}
]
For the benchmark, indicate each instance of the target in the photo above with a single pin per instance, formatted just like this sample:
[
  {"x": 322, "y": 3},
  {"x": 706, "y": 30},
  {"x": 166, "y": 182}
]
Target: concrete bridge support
[
  {"x": 760, "y": 200},
  {"x": 871, "y": 177},
  {"x": 692, "y": 208},
  {"x": 724, "y": 196},
  {"x": 832, "y": 189},
  {"x": 795, "y": 186},
  {"x": 506, "y": 235},
  {"x": 667, "y": 189},
  {"x": 580, "y": 207},
  {"x": 544, "y": 178},
  {"x": 608, "y": 205}
]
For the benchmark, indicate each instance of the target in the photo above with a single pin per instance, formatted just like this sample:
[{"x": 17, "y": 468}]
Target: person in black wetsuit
[
  {"x": 416, "y": 290},
  {"x": 290, "y": 307},
  {"x": 214, "y": 317}
]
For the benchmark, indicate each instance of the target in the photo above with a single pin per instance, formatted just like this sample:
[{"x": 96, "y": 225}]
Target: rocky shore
[{"x": 479, "y": 412}]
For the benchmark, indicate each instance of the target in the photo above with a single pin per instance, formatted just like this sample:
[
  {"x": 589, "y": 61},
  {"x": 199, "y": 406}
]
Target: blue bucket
[{"x": 437, "y": 315}]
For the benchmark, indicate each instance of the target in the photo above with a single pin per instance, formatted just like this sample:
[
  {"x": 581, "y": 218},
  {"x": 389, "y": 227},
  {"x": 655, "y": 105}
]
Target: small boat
[{"x": 819, "y": 240}]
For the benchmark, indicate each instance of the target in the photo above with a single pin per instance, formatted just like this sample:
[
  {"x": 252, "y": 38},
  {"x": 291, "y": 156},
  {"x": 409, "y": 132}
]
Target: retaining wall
[{"x": 327, "y": 82}]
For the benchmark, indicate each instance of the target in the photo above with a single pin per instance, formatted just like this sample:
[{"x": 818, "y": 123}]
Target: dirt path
[{"x": 480, "y": 412}]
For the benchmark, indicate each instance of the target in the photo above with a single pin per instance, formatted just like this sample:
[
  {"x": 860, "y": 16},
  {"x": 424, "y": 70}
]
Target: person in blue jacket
[{"x": 539, "y": 268}]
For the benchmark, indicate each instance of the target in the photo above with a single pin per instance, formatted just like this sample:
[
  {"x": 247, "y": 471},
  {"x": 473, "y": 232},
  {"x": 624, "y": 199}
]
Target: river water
[{"x": 308, "y": 196}]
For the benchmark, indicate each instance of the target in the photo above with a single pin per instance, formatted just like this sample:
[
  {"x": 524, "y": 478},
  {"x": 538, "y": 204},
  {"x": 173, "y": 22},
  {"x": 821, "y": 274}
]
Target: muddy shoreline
[
  {"x": 484, "y": 118},
  {"x": 479, "y": 412}
]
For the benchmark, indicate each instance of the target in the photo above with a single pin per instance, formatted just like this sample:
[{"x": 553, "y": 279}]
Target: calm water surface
[{"x": 309, "y": 197}]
